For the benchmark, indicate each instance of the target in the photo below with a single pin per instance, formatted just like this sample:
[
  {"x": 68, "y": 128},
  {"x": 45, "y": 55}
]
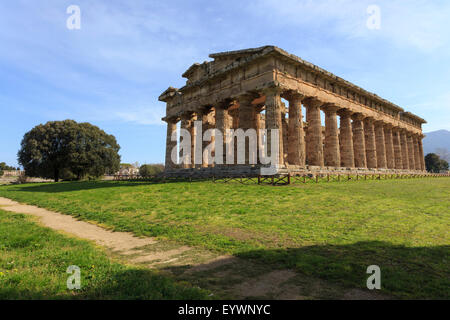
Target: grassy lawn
[
  {"x": 34, "y": 260},
  {"x": 333, "y": 231}
]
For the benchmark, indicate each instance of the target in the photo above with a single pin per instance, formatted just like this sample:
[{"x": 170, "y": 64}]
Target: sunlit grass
[
  {"x": 34, "y": 260},
  {"x": 329, "y": 230}
]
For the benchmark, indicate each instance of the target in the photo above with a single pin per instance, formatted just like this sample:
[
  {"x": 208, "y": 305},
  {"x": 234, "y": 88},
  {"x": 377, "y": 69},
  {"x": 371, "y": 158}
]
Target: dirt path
[{"x": 226, "y": 276}]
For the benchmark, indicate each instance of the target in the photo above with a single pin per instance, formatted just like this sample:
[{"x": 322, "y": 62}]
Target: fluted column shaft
[
  {"x": 398, "y": 155},
  {"x": 246, "y": 120},
  {"x": 405, "y": 150},
  {"x": 273, "y": 120},
  {"x": 389, "y": 145},
  {"x": 371, "y": 150},
  {"x": 314, "y": 147},
  {"x": 187, "y": 123},
  {"x": 359, "y": 143},
  {"x": 205, "y": 126},
  {"x": 380, "y": 145},
  {"x": 417, "y": 164},
  {"x": 422, "y": 157},
  {"x": 222, "y": 124},
  {"x": 332, "y": 156},
  {"x": 170, "y": 145},
  {"x": 346, "y": 140},
  {"x": 411, "y": 158},
  {"x": 296, "y": 135}
]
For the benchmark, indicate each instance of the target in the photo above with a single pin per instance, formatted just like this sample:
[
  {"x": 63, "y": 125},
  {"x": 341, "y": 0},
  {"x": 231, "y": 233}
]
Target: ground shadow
[
  {"x": 406, "y": 272},
  {"x": 312, "y": 272}
]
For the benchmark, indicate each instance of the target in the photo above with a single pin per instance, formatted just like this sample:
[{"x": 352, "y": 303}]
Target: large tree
[
  {"x": 67, "y": 149},
  {"x": 435, "y": 164}
]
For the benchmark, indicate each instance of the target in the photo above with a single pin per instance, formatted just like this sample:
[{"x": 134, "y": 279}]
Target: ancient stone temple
[{"x": 345, "y": 129}]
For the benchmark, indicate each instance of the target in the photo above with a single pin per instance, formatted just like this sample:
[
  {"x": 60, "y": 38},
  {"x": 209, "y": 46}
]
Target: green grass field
[
  {"x": 34, "y": 260},
  {"x": 332, "y": 231}
]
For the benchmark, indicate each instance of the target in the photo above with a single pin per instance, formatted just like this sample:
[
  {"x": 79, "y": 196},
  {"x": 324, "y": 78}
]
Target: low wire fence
[{"x": 282, "y": 179}]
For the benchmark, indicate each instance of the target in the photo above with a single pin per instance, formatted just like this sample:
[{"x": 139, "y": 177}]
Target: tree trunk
[{"x": 56, "y": 175}]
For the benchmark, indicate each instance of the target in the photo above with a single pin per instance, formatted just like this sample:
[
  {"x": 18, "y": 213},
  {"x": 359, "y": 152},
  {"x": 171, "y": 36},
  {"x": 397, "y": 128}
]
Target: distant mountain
[{"x": 437, "y": 142}]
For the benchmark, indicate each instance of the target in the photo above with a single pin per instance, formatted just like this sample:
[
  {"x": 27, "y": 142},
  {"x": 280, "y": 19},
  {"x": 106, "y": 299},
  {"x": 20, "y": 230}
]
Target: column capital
[
  {"x": 379, "y": 123},
  {"x": 247, "y": 97},
  {"x": 369, "y": 120},
  {"x": 293, "y": 95},
  {"x": 272, "y": 91},
  {"x": 204, "y": 110},
  {"x": 330, "y": 108},
  {"x": 312, "y": 102},
  {"x": 188, "y": 115},
  {"x": 345, "y": 112},
  {"x": 224, "y": 104},
  {"x": 173, "y": 119},
  {"x": 358, "y": 116}
]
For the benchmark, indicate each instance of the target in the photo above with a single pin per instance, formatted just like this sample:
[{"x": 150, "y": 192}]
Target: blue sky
[{"x": 112, "y": 70}]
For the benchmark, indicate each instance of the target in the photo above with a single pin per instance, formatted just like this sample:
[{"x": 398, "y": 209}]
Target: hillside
[{"x": 436, "y": 140}]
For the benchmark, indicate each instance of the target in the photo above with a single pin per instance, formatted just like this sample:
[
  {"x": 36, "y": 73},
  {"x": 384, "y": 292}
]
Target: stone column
[
  {"x": 187, "y": 123},
  {"x": 222, "y": 124},
  {"x": 398, "y": 154},
  {"x": 247, "y": 120},
  {"x": 296, "y": 135},
  {"x": 171, "y": 128},
  {"x": 193, "y": 132},
  {"x": 205, "y": 117},
  {"x": 332, "y": 154},
  {"x": 371, "y": 149},
  {"x": 405, "y": 153},
  {"x": 416, "y": 153},
  {"x": 359, "y": 143},
  {"x": 314, "y": 143},
  {"x": 422, "y": 157},
  {"x": 380, "y": 145},
  {"x": 273, "y": 120},
  {"x": 346, "y": 139},
  {"x": 389, "y": 145},
  {"x": 410, "y": 143}
]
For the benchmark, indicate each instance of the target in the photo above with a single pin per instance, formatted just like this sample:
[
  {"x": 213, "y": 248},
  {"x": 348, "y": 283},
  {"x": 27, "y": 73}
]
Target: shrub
[
  {"x": 147, "y": 170},
  {"x": 22, "y": 179}
]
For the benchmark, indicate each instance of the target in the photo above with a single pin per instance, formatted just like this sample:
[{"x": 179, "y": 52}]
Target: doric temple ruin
[{"x": 346, "y": 128}]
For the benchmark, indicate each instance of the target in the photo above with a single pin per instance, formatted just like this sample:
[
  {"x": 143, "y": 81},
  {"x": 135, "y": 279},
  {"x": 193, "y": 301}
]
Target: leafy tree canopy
[
  {"x": 435, "y": 164},
  {"x": 4, "y": 166},
  {"x": 68, "y": 150}
]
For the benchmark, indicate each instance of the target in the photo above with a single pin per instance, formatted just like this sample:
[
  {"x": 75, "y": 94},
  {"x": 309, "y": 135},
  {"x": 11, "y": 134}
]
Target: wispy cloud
[
  {"x": 415, "y": 23},
  {"x": 144, "y": 115}
]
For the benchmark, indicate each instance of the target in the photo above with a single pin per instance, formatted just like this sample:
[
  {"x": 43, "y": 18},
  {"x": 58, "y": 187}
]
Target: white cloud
[{"x": 144, "y": 115}]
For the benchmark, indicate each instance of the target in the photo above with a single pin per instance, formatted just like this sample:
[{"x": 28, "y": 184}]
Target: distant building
[
  {"x": 128, "y": 171},
  {"x": 13, "y": 173}
]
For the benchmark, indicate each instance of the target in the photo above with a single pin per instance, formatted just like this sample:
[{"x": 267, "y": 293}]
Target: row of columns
[{"x": 360, "y": 142}]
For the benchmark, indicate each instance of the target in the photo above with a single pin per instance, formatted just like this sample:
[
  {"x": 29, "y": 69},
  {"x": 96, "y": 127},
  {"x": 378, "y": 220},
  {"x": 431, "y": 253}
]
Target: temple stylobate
[{"x": 345, "y": 129}]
